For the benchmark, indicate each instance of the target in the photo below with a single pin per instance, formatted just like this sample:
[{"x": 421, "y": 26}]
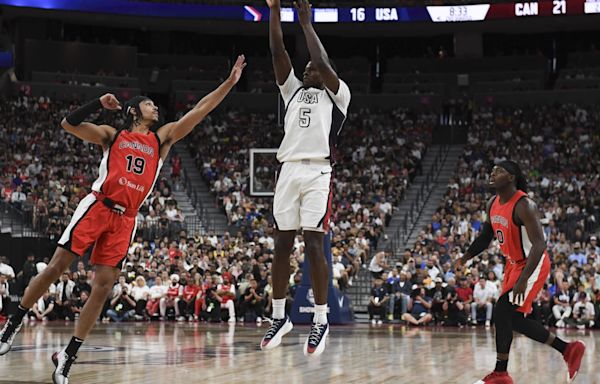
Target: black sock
[
  {"x": 501, "y": 365},
  {"x": 559, "y": 345},
  {"x": 18, "y": 317},
  {"x": 73, "y": 346}
]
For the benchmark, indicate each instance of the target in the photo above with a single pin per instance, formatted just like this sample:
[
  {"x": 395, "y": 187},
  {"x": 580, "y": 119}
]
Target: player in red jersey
[
  {"x": 513, "y": 221},
  {"x": 130, "y": 165}
]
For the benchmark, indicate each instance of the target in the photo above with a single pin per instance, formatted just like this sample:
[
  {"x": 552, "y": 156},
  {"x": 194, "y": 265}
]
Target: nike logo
[
  {"x": 341, "y": 302},
  {"x": 324, "y": 173}
]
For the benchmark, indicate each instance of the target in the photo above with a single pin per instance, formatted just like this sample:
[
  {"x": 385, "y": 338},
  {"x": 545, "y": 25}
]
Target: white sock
[
  {"x": 278, "y": 308},
  {"x": 320, "y": 314}
]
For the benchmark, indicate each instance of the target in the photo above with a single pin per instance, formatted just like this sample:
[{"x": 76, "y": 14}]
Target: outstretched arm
[
  {"x": 97, "y": 134},
  {"x": 281, "y": 60},
  {"x": 173, "y": 132},
  {"x": 318, "y": 55}
]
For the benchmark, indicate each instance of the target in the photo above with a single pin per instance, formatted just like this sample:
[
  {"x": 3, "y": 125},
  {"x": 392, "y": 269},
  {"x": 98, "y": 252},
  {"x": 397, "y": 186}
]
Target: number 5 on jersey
[
  {"x": 304, "y": 117},
  {"x": 135, "y": 164}
]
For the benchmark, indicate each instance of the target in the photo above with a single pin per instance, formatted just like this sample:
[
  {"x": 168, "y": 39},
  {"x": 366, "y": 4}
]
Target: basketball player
[
  {"x": 315, "y": 110},
  {"x": 513, "y": 220},
  {"x": 106, "y": 217}
]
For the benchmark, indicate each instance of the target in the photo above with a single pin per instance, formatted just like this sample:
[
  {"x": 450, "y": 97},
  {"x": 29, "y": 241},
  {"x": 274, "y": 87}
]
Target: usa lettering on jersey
[{"x": 308, "y": 97}]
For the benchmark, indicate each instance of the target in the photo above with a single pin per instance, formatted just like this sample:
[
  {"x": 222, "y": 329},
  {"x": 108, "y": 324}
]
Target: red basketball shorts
[
  {"x": 535, "y": 283},
  {"x": 95, "y": 224}
]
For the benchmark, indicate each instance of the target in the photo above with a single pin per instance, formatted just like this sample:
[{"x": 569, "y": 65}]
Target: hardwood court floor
[{"x": 200, "y": 353}]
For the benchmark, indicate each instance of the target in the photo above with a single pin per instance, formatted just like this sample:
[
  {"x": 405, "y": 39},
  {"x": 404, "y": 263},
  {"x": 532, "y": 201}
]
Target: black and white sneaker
[
  {"x": 62, "y": 362},
  {"x": 7, "y": 335},
  {"x": 315, "y": 343},
  {"x": 276, "y": 331}
]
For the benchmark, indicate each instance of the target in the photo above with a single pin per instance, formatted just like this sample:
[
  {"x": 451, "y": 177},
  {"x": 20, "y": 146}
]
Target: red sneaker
[
  {"x": 496, "y": 378},
  {"x": 573, "y": 355}
]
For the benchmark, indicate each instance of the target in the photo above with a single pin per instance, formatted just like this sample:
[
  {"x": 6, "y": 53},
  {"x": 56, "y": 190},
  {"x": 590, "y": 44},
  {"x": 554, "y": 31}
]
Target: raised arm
[
  {"x": 97, "y": 134},
  {"x": 173, "y": 132},
  {"x": 318, "y": 55},
  {"x": 281, "y": 60}
]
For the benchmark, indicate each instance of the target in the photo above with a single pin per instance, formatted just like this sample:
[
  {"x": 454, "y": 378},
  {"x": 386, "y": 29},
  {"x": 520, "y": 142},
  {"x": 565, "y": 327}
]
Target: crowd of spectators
[{"x": 558, "y": 148}]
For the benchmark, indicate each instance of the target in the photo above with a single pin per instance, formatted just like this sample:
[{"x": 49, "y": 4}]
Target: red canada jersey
[
  {"x": 129, "y": 168},
  {"x": 513, "y": 239},
  {"x": 190, "y": 291},
  {"x": 174, "y": 291}
]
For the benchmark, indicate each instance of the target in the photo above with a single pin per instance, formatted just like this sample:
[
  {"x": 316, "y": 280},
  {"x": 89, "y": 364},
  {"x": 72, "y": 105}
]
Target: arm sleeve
[
  {"x": 77, "y": 116},
  {"x": 482, "y": 241}
]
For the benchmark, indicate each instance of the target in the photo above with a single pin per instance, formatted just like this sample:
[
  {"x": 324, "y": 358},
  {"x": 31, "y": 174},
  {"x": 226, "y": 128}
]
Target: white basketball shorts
[{"x": 303, "y": 196}]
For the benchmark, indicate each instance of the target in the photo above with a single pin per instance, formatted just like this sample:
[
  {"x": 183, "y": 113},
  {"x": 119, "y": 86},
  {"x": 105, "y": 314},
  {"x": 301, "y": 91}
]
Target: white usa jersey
[{"x": 313, "y": 120}]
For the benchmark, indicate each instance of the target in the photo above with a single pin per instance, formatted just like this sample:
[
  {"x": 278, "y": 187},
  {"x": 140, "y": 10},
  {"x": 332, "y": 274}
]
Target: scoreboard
[{"x": 436, "y": 14}]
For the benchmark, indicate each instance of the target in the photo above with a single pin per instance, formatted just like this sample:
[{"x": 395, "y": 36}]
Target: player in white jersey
[{"x": 315, "y": 110}]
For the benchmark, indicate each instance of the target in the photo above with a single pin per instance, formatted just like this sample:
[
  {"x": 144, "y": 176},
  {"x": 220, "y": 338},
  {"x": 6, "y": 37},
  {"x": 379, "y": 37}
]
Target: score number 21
[{"x": 559, "y": 7}]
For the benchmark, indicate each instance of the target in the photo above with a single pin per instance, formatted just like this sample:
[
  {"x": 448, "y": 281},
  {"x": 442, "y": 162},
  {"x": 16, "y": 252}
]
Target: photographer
[
  {"x": 438, "y": 294},
  {"x": 454, "y": 309},
  {"x": 419, "y": 307},
  {"x": 122, "y": 306},
  {"x": 583, "y": 312}
]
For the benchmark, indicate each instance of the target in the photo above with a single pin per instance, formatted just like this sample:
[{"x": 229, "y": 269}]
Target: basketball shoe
[
  {"x": 7, "y": 335},
  {"x": 496, "y": 378},
  {"x": 276, "y": 331},
  {"x": 315, "y": 343},
  {"x": 573, "y": 355},
  {"x": 62, "y": 361}
]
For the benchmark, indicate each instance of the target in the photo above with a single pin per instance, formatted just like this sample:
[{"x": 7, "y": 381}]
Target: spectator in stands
[
  {"x": 4, "y": 294},
  {"x": 438, "y": 295},
  {"x": 542, "y": 307},
  {"x": 379, "y": 302},
  {"x": 578, "y": 256},
  {"x": 187, "y": 304},
  {"x": 6, "y": 269},
  {"x": 140, "y": 293},
  {"x": 226, "y": 295},
  {"x": 378, "y": 264},
  {"x": 583, "y": 312},
  {"x": 78, "y": 304},
  {"x": 419, "y": 307},
  {"x": 122, "y": 306},
  {"x": 454, "y": 309},
  {"x": 172, "y": 297},
  {"x": 64, "y": 296},
  {"x": 157, "y": 292},
  {"x": 562, "y": 304},
  {"x": 17, "y": 198},
  {"x": 340, "y": 276},
  {"x": 29, "y": 269},
  {"x": 43, "y": 309},
  {"x": 122, "y": 283},
  {"x": 484, "y": 296},
  {"x": 252, "y": 300},
  {"x": 465, "y": 294}
]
